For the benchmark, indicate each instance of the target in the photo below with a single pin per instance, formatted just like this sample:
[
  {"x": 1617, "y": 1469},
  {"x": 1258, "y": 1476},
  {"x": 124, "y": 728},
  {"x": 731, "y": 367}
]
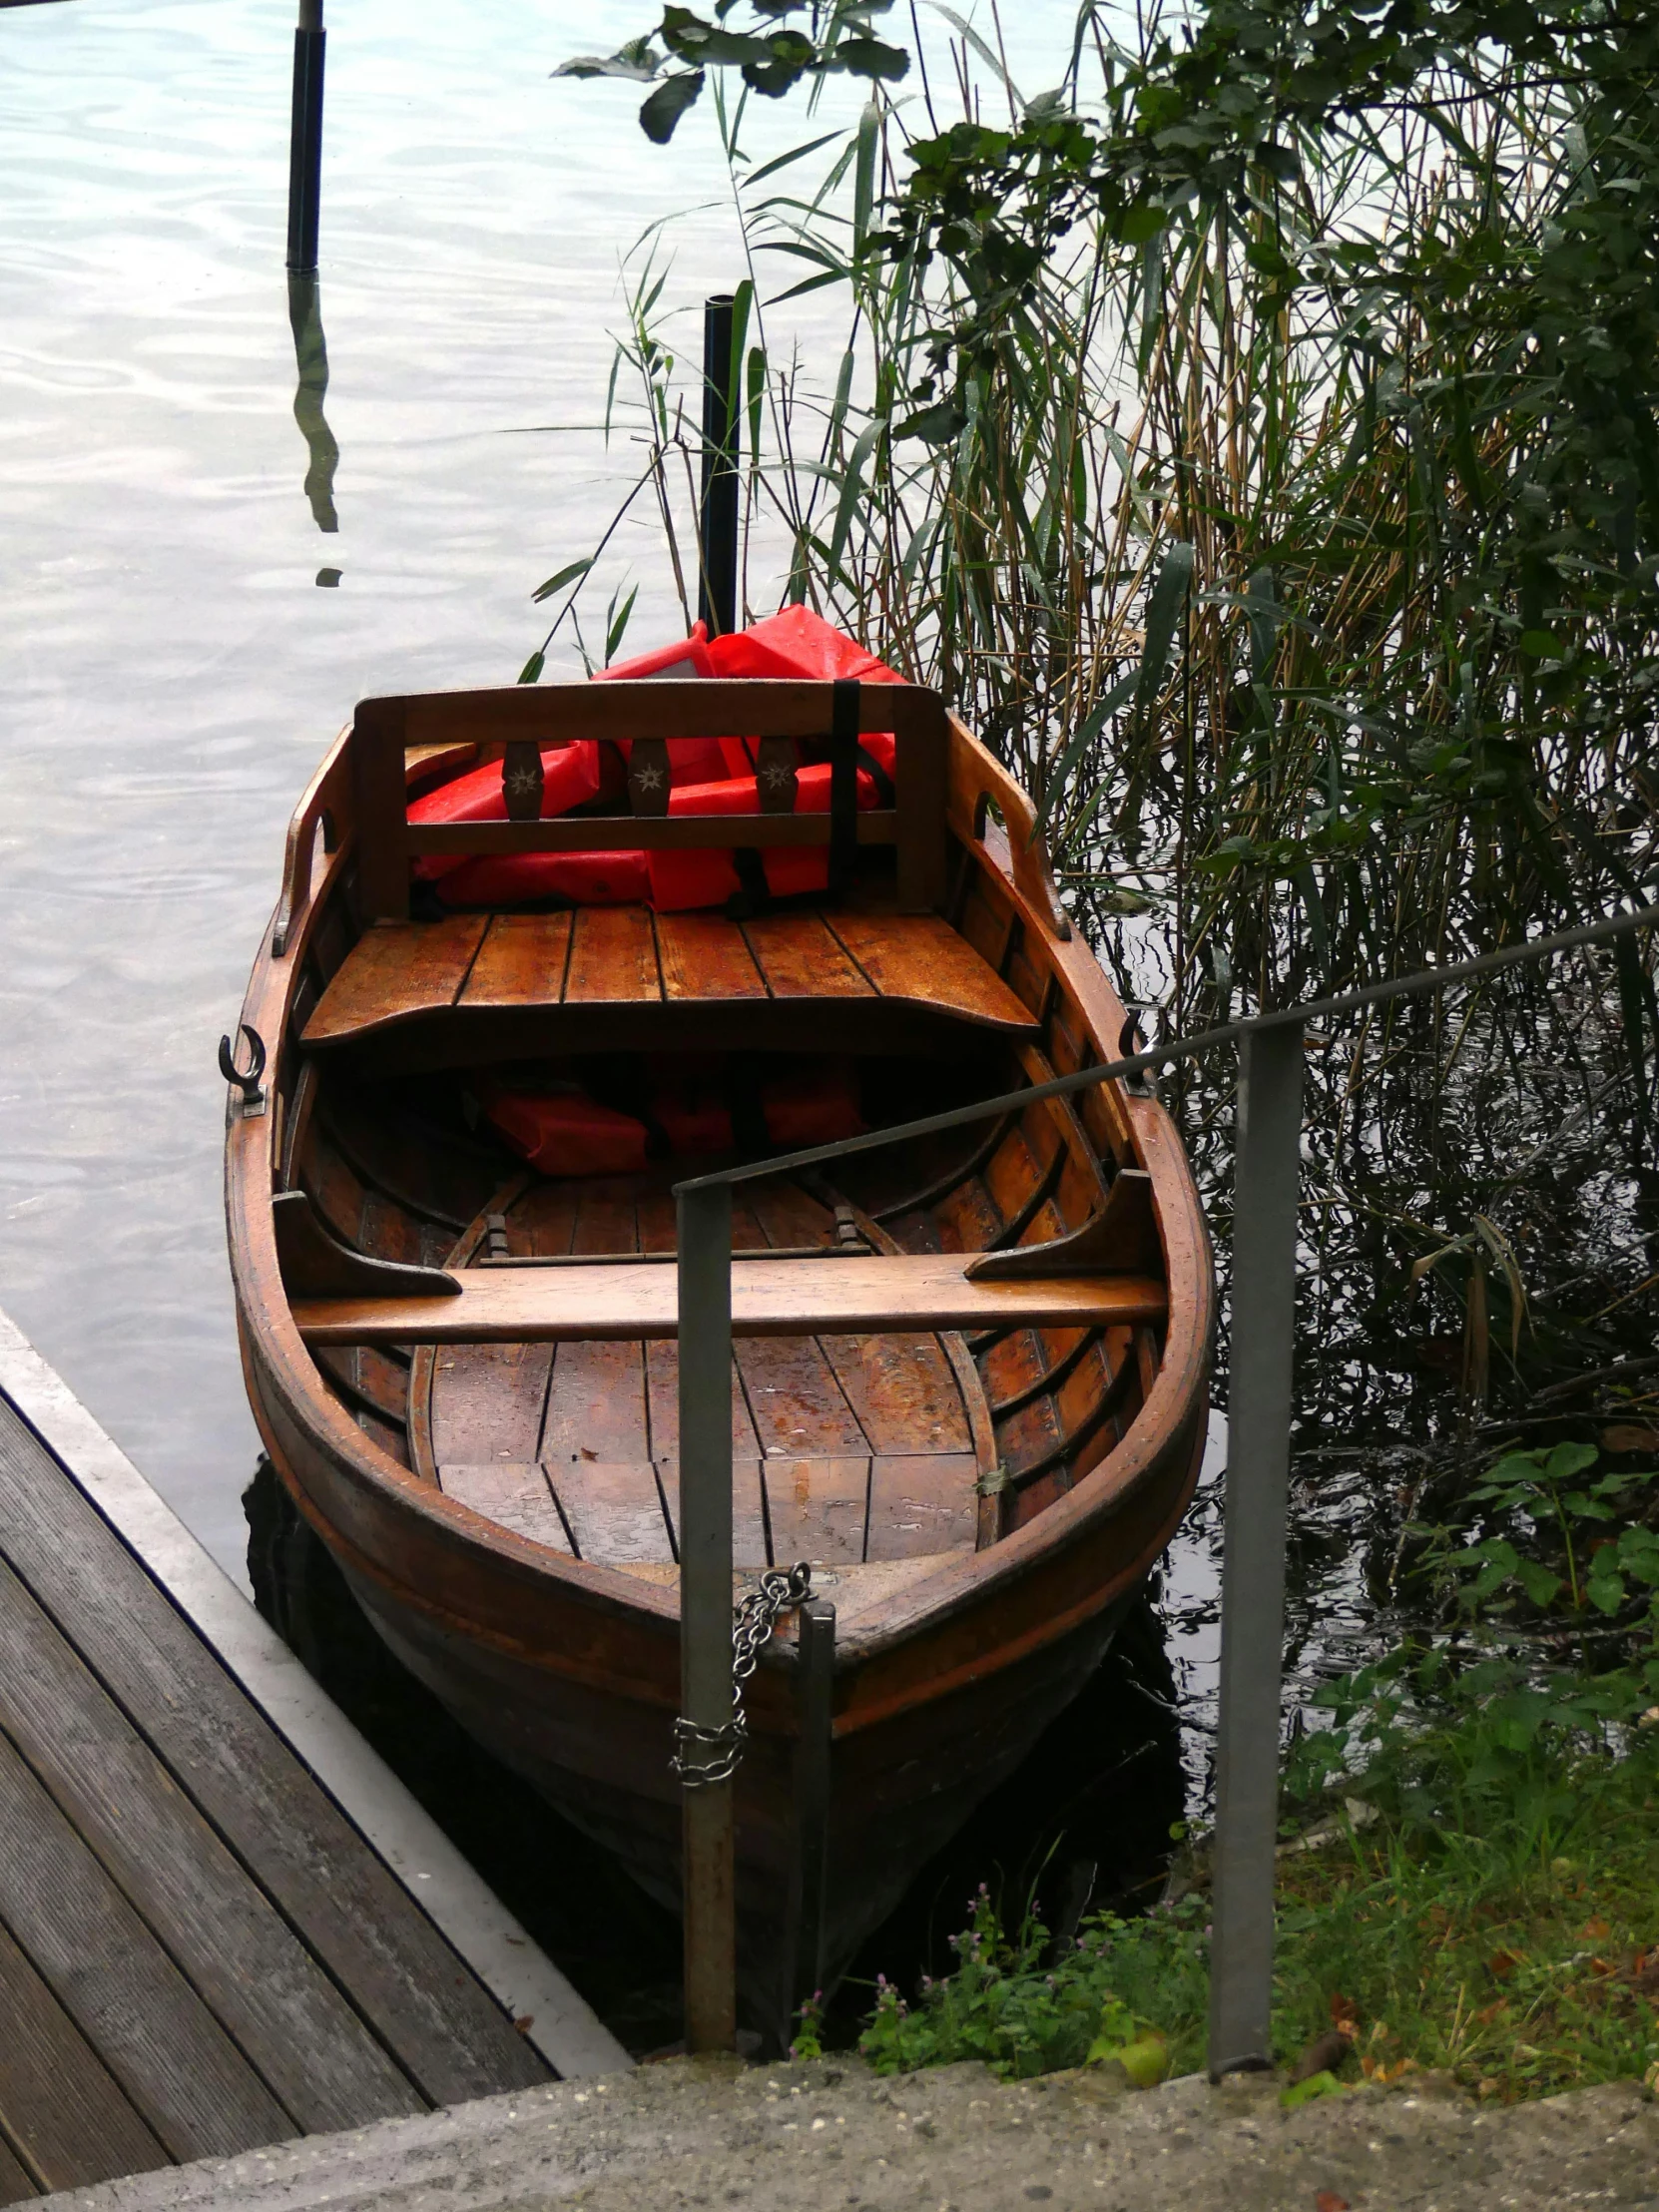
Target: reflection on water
[{"x": 311, "y": 350}]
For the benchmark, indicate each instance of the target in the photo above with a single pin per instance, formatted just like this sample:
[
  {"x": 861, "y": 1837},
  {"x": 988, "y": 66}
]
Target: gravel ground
[{"x": 831, "y": 2134}]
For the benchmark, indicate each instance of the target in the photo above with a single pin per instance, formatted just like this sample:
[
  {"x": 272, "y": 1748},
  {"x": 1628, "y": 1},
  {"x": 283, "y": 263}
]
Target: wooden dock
[{"x": 199, "y": 1953}]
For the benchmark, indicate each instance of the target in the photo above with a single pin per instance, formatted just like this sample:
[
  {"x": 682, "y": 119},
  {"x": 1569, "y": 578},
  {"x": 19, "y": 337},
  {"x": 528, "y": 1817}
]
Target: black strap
[
  {"x": 884, "y": 794},
  {"x": 844, "y": 783},
  {"x": 754, "y": 894}
]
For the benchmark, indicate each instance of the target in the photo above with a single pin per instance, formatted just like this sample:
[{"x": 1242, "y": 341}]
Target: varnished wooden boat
[{"x": 982, "y": 1472}]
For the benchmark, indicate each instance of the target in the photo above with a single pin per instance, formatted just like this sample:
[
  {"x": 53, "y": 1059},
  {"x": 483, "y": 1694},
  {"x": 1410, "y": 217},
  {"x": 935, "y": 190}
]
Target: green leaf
[
  {"x": 756, "y": 384},
  {"x": 530, "y": 673},
  {"x": 783, "y": 161},
  {"x": 668, "y": 104},
  {"x": 1164, "y": 612},
  {"x": 1089, "y": 730},
  {"x": 851, "y": 485},
  {"x": 1541, "y": 645},
  {"x": 864, "y": 176},
  {"x": 1605, "y": 1591},
  {"x": 1567, "y": 1461},
  {"x": 1539, "y": 1582},
  {"x": 1139, "y": 226},
  {"x": 619, "y": 624},
  {"x": 1305, "y": 2092},
  {"x": 567, "y": 575},
  {"x": 870, "y": 57}
]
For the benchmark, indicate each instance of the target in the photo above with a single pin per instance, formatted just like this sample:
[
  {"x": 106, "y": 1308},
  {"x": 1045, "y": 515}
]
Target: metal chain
[{"x": 753, "y": 1623}]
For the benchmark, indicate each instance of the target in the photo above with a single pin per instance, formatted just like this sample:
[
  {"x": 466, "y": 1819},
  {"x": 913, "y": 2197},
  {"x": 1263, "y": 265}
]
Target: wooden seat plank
[
  {"x": 196, "y": 2091},
  {"x": 521, "y": 962},
  {"x": 625, "y": 956},
  {"x": 439, "y": 2022},
  {"x": 59, "y": 2103},
  {"x": 706, "y": 956},
  {"x": 513, "y": 1496},
  {"x": 922, "y": 959},
  {"x": 613, "y": 958},
  {"x": 395, "y": 969},
  {"x": 800, "y": 958},
  {"x": 241, "y": 1958},
  {"x": 817, "y": 1508},
  {"x": 769, "y": 1298}
]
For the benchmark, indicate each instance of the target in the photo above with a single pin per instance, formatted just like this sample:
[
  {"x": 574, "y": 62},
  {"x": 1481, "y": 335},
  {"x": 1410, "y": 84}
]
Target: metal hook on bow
[{"x": 252, "y": 1096}]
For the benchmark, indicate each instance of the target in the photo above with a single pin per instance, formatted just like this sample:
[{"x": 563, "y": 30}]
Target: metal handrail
[
  {"x": 1267, "y": 1169},
  {"x": 1189, "y": 1048}
]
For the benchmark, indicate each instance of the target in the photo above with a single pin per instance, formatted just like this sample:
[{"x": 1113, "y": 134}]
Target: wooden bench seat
[
  {"x": 602, "y": 957},
  {"x": 632, "y": 1300}
]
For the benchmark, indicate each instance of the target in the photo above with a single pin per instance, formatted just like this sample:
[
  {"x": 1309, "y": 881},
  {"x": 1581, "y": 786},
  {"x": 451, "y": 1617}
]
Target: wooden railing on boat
[{"x": 385, "y": 729}]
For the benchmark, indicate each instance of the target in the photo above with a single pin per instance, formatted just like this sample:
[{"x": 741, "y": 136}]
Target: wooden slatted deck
[
  {"x": 626, "y": 956},
  {"x": 198, "y": 1954}
]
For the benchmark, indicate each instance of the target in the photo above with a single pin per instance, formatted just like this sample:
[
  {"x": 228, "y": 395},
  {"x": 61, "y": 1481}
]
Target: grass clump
[
  {"x": 1515, "y": 1950},
  {"x": 1122, "y": 1991}
]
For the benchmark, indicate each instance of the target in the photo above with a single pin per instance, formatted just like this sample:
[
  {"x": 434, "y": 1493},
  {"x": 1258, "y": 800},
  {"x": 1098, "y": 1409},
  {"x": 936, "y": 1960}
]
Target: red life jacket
[
  {"x": 708, "y": 776},
  {"x": 567, "y": 1133}
]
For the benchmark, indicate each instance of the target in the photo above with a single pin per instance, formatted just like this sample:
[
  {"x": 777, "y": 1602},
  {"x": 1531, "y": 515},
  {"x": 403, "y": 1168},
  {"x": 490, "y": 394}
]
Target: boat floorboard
[{"x": 198, "y": 1954}]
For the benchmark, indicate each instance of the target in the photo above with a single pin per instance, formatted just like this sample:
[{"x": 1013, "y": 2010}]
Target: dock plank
[
  {"x": 59, "y": 2103},
  {"x": 241, "y": 1958},
  {"x": 196, "y": 2091},
  {"x": 439, "y": 2024}
]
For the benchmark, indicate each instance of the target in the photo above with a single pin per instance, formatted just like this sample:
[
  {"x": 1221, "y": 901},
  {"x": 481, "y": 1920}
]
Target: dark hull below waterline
[{"x": 966, "y": 1747}]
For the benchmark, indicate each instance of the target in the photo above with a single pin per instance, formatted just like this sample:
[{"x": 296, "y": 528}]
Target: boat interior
[{"x": 957, "y": 1409}]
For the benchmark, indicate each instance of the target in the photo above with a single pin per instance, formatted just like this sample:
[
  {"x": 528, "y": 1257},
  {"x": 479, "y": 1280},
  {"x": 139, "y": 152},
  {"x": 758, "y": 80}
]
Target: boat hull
[{"x": 948, "y": 1666}]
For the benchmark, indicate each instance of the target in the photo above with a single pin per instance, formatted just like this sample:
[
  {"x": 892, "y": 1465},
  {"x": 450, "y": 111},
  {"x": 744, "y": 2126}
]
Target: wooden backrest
[{"x": 384, "y": 730}]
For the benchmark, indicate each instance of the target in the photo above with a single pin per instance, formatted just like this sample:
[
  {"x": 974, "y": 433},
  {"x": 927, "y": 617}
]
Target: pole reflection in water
[{"x": 311, "y": 355}]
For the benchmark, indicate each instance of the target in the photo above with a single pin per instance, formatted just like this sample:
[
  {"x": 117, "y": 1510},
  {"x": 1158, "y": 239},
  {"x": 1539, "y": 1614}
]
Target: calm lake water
[{"x": 173, "y": 669}]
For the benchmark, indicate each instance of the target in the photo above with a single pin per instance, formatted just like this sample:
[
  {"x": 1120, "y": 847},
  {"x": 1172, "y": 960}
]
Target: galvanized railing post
[
  {"x": 708, "y": 1884},
  {"x": 1266, "y": 1179}
]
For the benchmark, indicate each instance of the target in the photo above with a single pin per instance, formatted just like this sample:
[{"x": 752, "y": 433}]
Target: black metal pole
[
  {"x": 810, "y": 1875},
  {"x": 716, "y": 590},
  {"x": 305, "y": 140}
]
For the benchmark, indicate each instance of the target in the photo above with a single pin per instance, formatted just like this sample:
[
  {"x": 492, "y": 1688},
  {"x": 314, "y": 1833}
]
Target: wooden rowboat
[{"x": 464, "y": 1370}]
